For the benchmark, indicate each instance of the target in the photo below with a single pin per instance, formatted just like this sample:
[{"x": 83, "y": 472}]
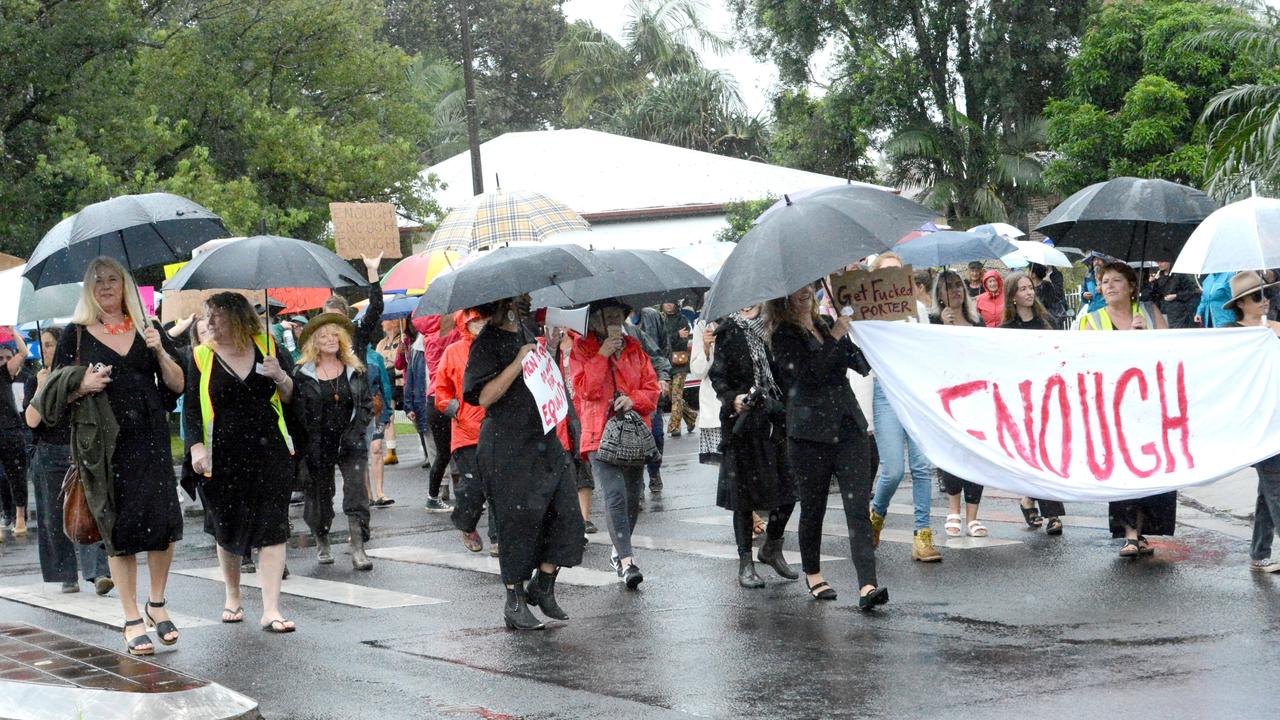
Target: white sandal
[
  {"x": 952, "y": 526},
  {"x": 977, "y": 529}
]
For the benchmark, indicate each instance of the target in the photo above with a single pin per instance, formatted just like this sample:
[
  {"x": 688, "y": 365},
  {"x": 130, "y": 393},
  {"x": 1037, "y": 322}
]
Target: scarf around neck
[{"x": 754, "y": 330}]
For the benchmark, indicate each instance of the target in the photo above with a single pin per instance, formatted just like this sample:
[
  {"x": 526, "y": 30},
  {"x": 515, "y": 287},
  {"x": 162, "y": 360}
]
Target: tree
[
  {"x": 827, "y": 135},
  {"x": 262, "y": 111},
  {"x": 912, "y": 67},
  {"x": 651, "y": 84},
  {"x": 741, "y": 215},
  {"x": 1145, "y": 71}
]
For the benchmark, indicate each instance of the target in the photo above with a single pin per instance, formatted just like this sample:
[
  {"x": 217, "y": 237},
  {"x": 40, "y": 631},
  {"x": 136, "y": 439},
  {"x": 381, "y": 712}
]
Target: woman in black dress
[
  {"x": 753, "y": 467},
  {"x": 239, "y": 380},
  {"x": 826, "y": 435},
  {"x": 528, "y": 472},
  {"x": 142, "y": 382}
]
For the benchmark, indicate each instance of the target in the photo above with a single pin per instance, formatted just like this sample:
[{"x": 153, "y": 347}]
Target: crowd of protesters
[{"x": 272, "y": 413}]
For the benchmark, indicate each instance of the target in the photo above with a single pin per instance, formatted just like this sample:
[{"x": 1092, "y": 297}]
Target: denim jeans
[
  {"x": 58, "y": 555},
  {"x": 621, "y": 486},
  {"x": 659, "y": 439},
  {"x": 891, "y": 440},
  {"x": 1265, "y": 514}
]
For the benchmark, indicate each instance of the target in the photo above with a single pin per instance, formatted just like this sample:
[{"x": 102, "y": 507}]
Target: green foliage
[
  {"x": 262, "y": 112},
  {"x": 740, "y": 215},
  {"x": 1144, "y": 72},
  {"x": 824, "y": 135}
]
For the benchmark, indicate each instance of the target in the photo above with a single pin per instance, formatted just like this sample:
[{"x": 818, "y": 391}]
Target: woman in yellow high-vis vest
[{"x": 234, "y": 416}]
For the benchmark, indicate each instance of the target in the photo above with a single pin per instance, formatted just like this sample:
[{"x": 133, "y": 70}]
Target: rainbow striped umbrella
[{"x": 413, "y": 274}]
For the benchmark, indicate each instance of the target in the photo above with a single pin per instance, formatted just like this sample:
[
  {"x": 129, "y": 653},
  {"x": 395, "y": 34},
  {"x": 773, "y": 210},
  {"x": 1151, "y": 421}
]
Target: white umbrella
[
  {"x": 1030, "y": 251},
  {"x": 1002, "y": 229},
  {"x": 1244, "y": 235},
  {"x": 20, "y": 302},
  {"x": 706, "y": 257}
]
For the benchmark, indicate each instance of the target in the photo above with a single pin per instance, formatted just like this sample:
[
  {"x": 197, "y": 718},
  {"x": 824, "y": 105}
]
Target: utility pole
[{"x": 473, "y": 121}]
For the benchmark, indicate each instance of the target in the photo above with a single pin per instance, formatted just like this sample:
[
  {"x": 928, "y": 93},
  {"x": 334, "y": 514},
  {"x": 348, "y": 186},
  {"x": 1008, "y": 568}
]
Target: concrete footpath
[{"x": 1235, "y": 495}]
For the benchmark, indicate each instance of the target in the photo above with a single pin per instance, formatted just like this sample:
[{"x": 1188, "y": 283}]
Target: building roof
[{"x": 608, "y": 177}]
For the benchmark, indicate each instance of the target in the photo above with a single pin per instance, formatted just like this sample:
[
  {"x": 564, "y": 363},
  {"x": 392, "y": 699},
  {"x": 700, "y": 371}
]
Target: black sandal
[
  {"x": 1144, "y": 546},
  {"x": 1030, "y": 514},
  {"x": 281, "y": 630},
  {"x": 1130, "y": 549},
  {"x": 878, "y": 596},
  {"x": 821, "y": 591},
  {"x": 134, "y": 646},
  {"x": 1054, "y": 527},
  {"x": 164, "y": 627}
]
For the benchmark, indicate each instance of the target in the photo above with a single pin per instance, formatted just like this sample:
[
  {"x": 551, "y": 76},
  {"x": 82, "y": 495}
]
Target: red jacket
[
  {"x": 447, "y": 385},
  {"x": 593, "y": 387},
  {"x": 991, "y": 307}
]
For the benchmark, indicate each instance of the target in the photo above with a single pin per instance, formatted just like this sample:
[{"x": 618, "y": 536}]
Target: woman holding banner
[
  {"x": 528, "y": 471},
  {"x": 1023, "y": 311},
  {"x": 826, "y": 434},
  {"x": 1154, "y": 514},
  {"x": 953, "y": 306}
]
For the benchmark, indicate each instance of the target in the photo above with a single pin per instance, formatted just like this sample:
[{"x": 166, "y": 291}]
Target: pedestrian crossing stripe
[
  {"x": 720, "y": 551},
  {"x": 887, "y": 535},
  {"x": 585, "y": 577},
  {"x": 86, "y": 606},
  {"x": 327, "y": 590}
]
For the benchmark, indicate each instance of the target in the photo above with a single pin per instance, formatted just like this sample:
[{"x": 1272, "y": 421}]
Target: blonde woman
[
  {"x": 128, "y": 360},
  {"x": 245, "y": 458},
  {"x": 332, "y": 401}
]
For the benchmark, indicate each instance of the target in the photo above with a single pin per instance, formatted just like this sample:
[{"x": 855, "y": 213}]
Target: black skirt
[
  {"x": 753, "y": 470},
  {"x": 1158, "y": 514}
]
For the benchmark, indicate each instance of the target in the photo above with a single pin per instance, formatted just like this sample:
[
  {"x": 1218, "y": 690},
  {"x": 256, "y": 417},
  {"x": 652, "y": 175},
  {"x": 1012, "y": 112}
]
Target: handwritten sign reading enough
[
  {"x": 886, "y": 294},
  {"x": 365, "y": 229},
  {"x": 547, "y": 386}
]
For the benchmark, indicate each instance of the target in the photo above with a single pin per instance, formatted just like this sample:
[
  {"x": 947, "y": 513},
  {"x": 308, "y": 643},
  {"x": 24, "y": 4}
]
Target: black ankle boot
[
  {"x": 771, "y": 555},
  {"x": 541, "y": 593},
  {"x": 516, "y": 613},
  {"x": 747, "y": 576}
]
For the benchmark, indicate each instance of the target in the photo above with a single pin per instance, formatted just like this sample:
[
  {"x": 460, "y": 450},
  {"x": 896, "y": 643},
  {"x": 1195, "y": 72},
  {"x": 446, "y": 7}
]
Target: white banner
[
  {"x": 543, "y": 379},
  {"x": 1082, "y": 416}
]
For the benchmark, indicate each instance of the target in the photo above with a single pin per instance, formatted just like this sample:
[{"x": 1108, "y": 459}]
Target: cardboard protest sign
[
  {"x": 178, "y": 304},
  {"x": 542, "y": 377},
  {"x": 886, "y": 294},
  {"x": 365, "y": 229}
]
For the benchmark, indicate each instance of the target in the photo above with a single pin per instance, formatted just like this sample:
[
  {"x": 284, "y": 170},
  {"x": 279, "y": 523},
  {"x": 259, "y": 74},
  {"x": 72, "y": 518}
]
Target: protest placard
[
  {"x": 542, "y": 377},
  {"x": 178, "y": 304},
  {"x": 886, "y": 294},
  {"x": 365, "y": 229}
]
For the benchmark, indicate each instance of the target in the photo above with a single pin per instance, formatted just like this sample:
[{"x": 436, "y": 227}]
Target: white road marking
[
  {"x": 695, "y": 547},
  {"x": 84, "y": 605},
  {"x": 886, "y": 535},
  {"x": 483, "y": 563},
  {"x": 327, "y": 590}
]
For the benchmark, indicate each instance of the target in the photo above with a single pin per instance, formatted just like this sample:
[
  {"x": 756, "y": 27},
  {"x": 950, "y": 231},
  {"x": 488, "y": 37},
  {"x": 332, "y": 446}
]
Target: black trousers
[
  {"x": 321, "y": 486},
  {"x": 955, "y": 485},
  {"x": 744, "y": 525},
  {"x": 471, "y": 495},
  {"x": 13, "y": 456},
  {"x": 441, "y": 433},
  {"x": 1050, "y": 508},
  {"x": 812, "y": 465}
]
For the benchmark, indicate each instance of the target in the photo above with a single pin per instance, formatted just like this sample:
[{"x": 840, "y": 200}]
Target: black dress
[
  {"x": 527, "y": 472},
  {"x": 148, "y": 516},
  {"x": 247, "y": 497}
]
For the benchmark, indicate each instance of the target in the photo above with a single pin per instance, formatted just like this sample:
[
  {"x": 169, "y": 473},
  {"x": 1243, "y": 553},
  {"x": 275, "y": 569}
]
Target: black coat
[
  {"x": 820, "y": 403},
  {"x": 306, "y": 407},
  {"x": 753, "y": 469},
  {"x": 1179, "y": 312}
]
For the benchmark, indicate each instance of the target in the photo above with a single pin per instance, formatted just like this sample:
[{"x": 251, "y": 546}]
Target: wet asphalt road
[{"x": 1048, "y": 627}]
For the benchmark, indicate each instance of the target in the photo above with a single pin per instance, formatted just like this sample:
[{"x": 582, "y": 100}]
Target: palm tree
[{"x": 971, "y": 174}]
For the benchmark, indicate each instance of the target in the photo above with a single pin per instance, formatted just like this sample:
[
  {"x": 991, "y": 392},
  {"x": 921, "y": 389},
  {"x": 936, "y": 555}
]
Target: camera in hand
[{"x": 754, "y": 398}]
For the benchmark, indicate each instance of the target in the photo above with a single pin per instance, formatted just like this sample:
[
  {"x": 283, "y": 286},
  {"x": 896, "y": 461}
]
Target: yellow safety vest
[
  {"x": 1100, "y": 320},
  {"x": 204, "y": 361}
]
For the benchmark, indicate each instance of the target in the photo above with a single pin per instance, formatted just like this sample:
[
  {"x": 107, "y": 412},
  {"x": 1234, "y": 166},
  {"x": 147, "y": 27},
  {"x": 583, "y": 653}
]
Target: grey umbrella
[
  {"x": 506, "y": 272},
  {"x": 1129, "y": 218},
  {"x": 947, "y": 247},
  {"x": 263, "y": 262},
  {"x": 809, "y": 238},
  {"x": 138, "y": 230},
  {"x": 637, "y": 277}
]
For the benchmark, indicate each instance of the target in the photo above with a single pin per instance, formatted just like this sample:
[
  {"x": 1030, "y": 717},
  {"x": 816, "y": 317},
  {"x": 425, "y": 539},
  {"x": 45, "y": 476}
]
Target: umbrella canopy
[
  {"x": 501, "y": 218},
  {"x": 947, "y": 247},
  {"x": 507, "y": 272},
  {"x": 21, "y": 302},
  {"x": 264, "y": 262},
  {"x": 413, "y": 274},
  {"x": 1001, "y": 229},
  {"x": 1244, "y": 235},
  {"x": 298, "y": 299},
  {"x": 394, "y": 307},
  {"x": 637, "y": 277},
  {"x": 138, "y": 230},
  {"x": 1030, "y": 251},
  {"x": 705, "y": 257},
  {"x": 808, "y": 239},
  {"x": 1130, "y": 218}
]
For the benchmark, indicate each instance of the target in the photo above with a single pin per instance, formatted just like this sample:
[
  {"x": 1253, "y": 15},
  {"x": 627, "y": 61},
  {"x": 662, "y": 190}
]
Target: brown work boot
[
  {"x": 390, "y": 458},
  {"x": 922, "y": 548},
  {"x": 877, "y": 524}
]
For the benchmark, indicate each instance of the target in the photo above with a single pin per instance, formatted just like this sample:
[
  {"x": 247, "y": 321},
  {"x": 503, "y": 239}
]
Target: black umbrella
[
  {"x": 637, "y": 277},
  {"x": 137, "y": 230},
  {"x": 1129, "y": 218},
  {"x": 809, "y": 238},
  {"x": 263, "y": 262},
  {"x": 506, "y": 272}
]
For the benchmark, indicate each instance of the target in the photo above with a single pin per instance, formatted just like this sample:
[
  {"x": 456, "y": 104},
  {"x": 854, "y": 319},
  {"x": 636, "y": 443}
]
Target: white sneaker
[{"x": 1266, "y": 566}]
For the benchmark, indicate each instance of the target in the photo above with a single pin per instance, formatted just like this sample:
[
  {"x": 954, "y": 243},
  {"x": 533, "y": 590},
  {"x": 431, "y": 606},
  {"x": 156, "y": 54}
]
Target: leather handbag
[
  {"x": 77, "y": 520},
  {"x": 627, "y": 439}
]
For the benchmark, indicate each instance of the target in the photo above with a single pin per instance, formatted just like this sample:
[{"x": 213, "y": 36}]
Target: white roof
[{"x": 598, "y": 172}]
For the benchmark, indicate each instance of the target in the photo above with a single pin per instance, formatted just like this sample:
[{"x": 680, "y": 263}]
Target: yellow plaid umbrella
[{"x": 499, "y": 218}]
